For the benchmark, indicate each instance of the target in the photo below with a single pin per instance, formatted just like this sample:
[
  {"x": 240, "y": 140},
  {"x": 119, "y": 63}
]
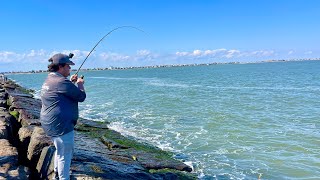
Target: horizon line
[{"x": 169, "y": 65}]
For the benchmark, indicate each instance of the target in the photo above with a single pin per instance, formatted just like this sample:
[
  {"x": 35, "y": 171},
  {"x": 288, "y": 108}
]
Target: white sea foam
[
  {"x": 135, "y": 115},
  {"x": 107, "y": 104},
  {"x": 97, "y": 77},
  {"x": 189, "y": 163},
  {"x": 163, "y": 84},
  {"x": 141, "y": 133},
  {"x": 37, "y": 94},
  {"x": 154, "y": 139},
  {"x": 178, "y": 135},
  {"x": 166, "y": 146},
  {"x": 119, "y": 78},
  {"x": 119, "y": 127}
]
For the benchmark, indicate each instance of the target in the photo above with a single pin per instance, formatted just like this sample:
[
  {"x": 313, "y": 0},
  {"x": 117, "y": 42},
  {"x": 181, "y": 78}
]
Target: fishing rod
[{"x": 120, "y": 27}]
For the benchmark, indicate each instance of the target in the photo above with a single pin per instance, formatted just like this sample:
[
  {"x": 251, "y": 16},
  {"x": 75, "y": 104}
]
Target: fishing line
[{"x": 120, "y": 27}]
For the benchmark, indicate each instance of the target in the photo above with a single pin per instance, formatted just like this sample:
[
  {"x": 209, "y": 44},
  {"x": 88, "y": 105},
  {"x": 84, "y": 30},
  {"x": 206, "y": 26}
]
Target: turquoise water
[{"x": 229, "y": 121}]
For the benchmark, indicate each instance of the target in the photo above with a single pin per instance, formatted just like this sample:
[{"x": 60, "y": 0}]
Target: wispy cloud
[
  {"x": 308, "y": 52},
  {"x": 263, "y": 53},
  {"x": 143, "y": 52},
  {"x": 112, "y": 57},
  {"x": 32, "y": 56},
  {"x": 199, "y": 53},
  {"x": 224, "y": 53},
  {"x": 232, "y": 53},
  {"x": 7, "y": 57}
]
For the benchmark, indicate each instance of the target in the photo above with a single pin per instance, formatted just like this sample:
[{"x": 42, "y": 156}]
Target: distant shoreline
[{"x": 167, "y": 66}]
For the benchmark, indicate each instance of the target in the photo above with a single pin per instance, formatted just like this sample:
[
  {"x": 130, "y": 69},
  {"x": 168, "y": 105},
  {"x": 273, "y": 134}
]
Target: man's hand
[
  {"x": 80, "y": 83},
  {"x": 74, "y": 78}
]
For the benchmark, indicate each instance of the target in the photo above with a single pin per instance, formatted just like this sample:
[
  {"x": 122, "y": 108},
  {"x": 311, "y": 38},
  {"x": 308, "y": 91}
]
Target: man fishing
[{"x": 59, "y": 112}]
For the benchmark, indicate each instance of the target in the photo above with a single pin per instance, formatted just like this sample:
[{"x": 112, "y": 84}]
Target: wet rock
[
  {"x": 38, "y": 141},
  {"x": 13, "y": 127},
  {"x": 92, "y": 159},
  {"x": 5, "y": 126},
  {"x": 8, "y": 153},
  {"x": 3, "y": 130},
  {"x": 46, "y": 163},
  {"x": 21, "y": 95},
  {"x": 9, "y": 167},
  {"x": 84, "y": 124},
  {"x": 28, "y": 109},
  {"x": 29, "y": 117},
  {"x": 19, "y": 172},
  {"x": 3, "y": 110},
  {"x": 149, "y": 161},
  {"x": 18, "y": 101},
  {"x": 92, "y": 155},
  {"x": 9, "y": 86},
  {"x": 112, "y": 144},
  {"x": 30, "y": 106},
  {"x": 25, "y": 133},
  {"x": 24, "y": 140},
  {"x": 3, "y": 95},
  {"x": 13, "y": 88},
  {"x": 3, "y": 103},
  {"x": 147, "y": 155},
  {"x": 182, "y": 157}
]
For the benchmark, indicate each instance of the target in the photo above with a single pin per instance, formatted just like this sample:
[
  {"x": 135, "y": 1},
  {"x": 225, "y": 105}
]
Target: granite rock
[{"x": 38, "y": 141}]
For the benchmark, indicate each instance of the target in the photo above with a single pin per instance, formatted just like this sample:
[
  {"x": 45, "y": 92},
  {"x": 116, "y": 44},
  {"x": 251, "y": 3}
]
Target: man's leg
[
  {"x": 55, "y": 160},
  {"x": 55, "y": 169},
  {"x": 64, "y": 150}
]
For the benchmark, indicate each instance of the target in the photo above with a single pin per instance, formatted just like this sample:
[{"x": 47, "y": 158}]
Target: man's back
[{"x": 59, "y": 112}]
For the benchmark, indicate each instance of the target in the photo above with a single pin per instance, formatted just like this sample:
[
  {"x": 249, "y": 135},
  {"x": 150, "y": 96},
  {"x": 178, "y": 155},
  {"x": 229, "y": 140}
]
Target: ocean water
[{"x": 229, "y": 121}]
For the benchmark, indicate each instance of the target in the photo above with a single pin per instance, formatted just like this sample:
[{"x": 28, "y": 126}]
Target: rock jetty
[{"x": 100, "y": 153}]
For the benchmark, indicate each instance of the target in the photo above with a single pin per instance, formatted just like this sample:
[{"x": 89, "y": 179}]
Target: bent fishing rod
[{"x": 120, "y": 27}]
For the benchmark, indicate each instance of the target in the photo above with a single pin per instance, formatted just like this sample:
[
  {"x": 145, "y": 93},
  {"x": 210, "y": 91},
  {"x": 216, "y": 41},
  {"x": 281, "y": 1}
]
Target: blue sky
[{"x": 177, "y": 32}]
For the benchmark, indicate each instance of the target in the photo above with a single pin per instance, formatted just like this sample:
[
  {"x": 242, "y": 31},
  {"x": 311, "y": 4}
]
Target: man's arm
[{"x": 72, "y": 91}]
